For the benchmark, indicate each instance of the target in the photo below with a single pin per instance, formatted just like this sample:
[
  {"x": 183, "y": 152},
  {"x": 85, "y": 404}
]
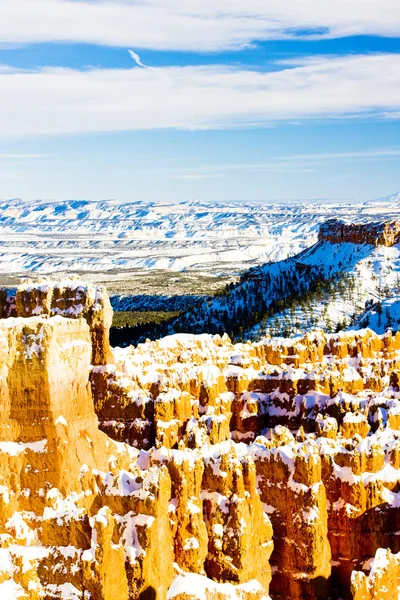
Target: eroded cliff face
[
  {"x": 383, "y": 580},
  {"x": 376, "y": 234},
  {"x": 239, "y": 470},
  {"x": 69, "y": 298},
  {"x": 318, "y": 416},
  {"x": 78, "y": 517}
]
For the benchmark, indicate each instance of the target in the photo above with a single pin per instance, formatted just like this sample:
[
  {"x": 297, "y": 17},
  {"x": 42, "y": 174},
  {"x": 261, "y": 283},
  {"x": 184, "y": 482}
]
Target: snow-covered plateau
[{"x": 45, "y": 237}]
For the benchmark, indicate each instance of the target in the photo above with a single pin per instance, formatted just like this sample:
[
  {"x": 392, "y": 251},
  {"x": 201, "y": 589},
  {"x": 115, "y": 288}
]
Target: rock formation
[
  {"x": 79, "y": 518},
  {"x": 376, "y": 234},
  {"x": 319, "y": 417},
  {"x": 66, "y": 298},
  {"x": 195, "y": 587},
  {"x": 221, "y": 471},
  {"x": 383, "y": 579}
]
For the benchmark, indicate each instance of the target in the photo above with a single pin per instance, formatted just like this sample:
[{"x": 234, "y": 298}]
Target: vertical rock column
[{"x": 73, "y": 299}]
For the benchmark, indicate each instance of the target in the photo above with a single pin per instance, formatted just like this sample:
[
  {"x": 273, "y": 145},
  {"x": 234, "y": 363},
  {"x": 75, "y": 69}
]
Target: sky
[{"x": 200, "y": 99}]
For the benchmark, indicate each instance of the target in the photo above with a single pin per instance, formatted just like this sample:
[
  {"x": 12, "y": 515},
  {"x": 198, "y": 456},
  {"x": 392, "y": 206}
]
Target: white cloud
[
  {"x": 21, "y": 156},
  {"x": 67, "y": 101},
  {"x": 197, "y": 176},
  {"x": 136, "y": 58},
  {"x": 366, "y": 154},
  {"x": 191, "y": 24}
]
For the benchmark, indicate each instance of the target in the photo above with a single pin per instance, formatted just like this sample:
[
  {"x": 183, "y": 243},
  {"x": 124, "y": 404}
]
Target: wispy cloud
[
  {"x": 197, "y": 176},
  {"x": 191, "y": 24},
  {"x": 57, "y": 100},
  {"x": 295, "y": 163},
  {"x": 21, "y": 156},
  {"x": 392, "y": 115},
  {"x": 282, "y": 170},
  {"x": 136, "y": 58},
  {"x": 378, "y": 153}
]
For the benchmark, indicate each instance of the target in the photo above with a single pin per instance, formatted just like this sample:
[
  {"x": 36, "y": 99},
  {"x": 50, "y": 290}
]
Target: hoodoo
[{"x": 221, "y": 471}]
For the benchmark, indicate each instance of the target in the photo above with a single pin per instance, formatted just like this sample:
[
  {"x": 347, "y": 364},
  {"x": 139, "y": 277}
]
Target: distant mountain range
[{"x": 45, "y": 237}]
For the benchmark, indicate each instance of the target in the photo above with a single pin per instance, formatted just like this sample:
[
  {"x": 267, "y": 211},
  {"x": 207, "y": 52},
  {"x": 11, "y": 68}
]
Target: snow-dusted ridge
[
  {"x": 332, "y": 286},
  {"x": 47, "y": 237}
]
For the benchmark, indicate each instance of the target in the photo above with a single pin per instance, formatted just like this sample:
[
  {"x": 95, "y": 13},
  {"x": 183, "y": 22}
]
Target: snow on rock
[
  {"x": 383, "y": 579},
  {"x": 70, "y": 298},
  {"x": 278, "y": 474},
  {"x": 197, "y": 587}
]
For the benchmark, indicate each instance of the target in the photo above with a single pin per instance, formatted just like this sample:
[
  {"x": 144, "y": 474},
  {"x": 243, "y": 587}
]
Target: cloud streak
[
  {"x": 191, "y": 24},
  {"x": 136, "y": 58},
  {"x": 366, "y": 154},
  {"x": 57, "y": 100}
]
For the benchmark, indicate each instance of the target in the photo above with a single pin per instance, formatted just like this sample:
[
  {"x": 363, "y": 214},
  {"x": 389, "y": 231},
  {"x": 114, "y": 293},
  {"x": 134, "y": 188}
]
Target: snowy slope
[
  {"x": 366, "y": 276},
  {"x": 44, "y": 237},
  {"x": 329, "y": 286},
  {"x": 382, "y": 315}
]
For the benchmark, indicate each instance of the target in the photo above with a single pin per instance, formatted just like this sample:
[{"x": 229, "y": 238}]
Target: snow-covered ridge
[
  {"x": 87, "y": 236},
  {"x": 332, "y": 286}
]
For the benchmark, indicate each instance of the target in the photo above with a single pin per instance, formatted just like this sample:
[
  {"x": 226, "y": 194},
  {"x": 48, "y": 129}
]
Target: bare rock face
[
  {"x": 196, "y": 587},
  {"x": 67, "y": 298},
  {"x": 78, "y": 516},
  {"x": 382, "y": 581},
  {"x": 376, "y": 234},
  {"x": 317, "y": 416},
  {"x": 229, "y": 471},
  {"x": 219, "y": 522},
  {"x": 84, "y": 516}
]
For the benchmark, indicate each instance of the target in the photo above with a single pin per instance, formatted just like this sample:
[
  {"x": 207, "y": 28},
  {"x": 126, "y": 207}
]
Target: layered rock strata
[
  {"x": 376, "y": 234},
  {"x": 383, "y": 580},
  {"x": 69, "y": 298},
  {"x": 83, "y": 516},
  {"x": 78, "y": 517},
  {"x": 248, "y": 469},
  {"x": 319, "y": 416}
]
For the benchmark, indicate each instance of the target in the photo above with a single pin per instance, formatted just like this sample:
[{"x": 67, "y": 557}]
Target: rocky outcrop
[
  {"x": 196, "y": 587},
  {"x": 228, "y": 471},
  {"x": 376, "y": 234},
  {"x": 319, "y": 418},
  {"x": 381, "y": 581},
  {"x": 84, "y": 516},
  {"x": 192, "y": 389},
  {"x": 69, "y": 298},
  {"x": 78, "y": 516}
]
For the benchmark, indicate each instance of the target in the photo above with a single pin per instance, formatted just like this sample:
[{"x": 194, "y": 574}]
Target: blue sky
[{"x": 217, "y": 105}]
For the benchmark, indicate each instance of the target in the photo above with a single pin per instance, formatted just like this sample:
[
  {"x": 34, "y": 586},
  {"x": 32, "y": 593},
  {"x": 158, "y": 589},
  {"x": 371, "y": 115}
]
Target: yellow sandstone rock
[{"x": 249, "y": 469}]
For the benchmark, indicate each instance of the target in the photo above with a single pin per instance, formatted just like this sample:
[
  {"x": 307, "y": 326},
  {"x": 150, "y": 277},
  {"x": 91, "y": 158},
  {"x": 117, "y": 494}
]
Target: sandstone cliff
[
  {"x": 319, "y": 417},
  {"x": 376, "y": 234},
  {"x": 66, "y": 298},
  {"x": 78, "y": 516},
  {"x": 227, "y": 471}
]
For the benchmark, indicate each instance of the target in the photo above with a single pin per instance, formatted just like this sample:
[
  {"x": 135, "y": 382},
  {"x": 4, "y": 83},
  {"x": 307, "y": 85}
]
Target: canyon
[{"x": 190, "y": 467}]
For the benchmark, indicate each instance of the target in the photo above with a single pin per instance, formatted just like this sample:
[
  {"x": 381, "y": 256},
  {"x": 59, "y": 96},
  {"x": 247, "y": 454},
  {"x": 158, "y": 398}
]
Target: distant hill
[
  {"x": 108, "y": 237},
  {"x": 330, "y": 285}
]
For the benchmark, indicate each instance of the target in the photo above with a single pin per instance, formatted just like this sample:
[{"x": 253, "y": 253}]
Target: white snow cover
[
  {"x": 15, "y": 448},
  {"x": 63, "y": 236},
  {"x": 10, "y": 590},
  {"x": 375, "y": 272},
  {"x": 198, "y": 585}
]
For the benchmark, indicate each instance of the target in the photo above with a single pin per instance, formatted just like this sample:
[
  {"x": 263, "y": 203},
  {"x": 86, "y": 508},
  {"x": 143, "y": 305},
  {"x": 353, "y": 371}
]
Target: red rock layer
[
  {"x": 320, "y": 418},
  {"x": 376, "y": 234},
  {"x": 83, "y": 516}
]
